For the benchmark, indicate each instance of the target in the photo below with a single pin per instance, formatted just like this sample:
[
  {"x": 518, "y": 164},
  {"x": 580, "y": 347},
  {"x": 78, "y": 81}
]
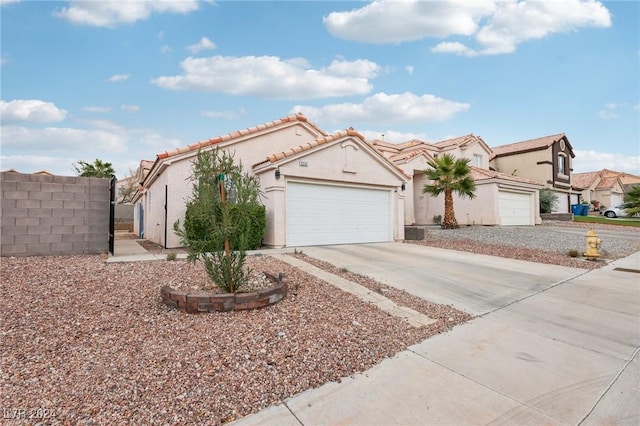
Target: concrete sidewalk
[
  {"x": 131, "y": 251},
  {"x": 567, "y": 353}
]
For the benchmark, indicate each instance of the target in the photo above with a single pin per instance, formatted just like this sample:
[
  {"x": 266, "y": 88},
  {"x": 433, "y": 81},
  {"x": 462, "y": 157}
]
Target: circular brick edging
[{"x": 203, "y": 301}]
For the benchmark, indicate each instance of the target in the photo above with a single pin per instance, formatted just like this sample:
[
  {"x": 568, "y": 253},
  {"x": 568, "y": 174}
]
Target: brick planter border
[{"x": 203, "y": 301}]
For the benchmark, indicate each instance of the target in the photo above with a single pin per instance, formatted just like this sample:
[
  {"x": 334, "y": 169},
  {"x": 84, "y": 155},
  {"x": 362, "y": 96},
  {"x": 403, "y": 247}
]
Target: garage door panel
[
  {"x": 324, "y": 214},
  {"x": 515, "y": 208}
]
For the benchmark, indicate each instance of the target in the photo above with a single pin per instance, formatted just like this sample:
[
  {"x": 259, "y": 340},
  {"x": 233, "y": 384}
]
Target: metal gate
[{"x": 112, "y": 214}]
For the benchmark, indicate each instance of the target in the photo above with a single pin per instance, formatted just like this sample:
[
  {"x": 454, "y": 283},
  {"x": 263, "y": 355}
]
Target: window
[
  {"x": 477, "y": 160},
  {"x": 561, "y": 165}
]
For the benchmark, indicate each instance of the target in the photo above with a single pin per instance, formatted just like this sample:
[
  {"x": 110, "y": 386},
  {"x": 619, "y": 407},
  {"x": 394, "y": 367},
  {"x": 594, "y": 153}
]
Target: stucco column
[
  {"x": 275, "y": 203},
  {"x": 409, "y": 207},
  {"x": 399, "y": 220}
]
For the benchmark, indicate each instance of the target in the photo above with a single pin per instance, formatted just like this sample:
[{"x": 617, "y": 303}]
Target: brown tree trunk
[{"x": 449, "y": 221}]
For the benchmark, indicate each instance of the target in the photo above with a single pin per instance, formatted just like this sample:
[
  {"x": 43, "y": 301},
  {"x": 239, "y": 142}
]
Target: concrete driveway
[
  {"x": 476, "y": 284},
  {"x": 552, "y": 345}
]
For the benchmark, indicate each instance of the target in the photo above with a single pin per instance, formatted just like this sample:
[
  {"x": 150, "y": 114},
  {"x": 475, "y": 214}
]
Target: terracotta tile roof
[
  {"x": 604, "y": 178},
  {"x": 479, "y": 174},
  {"x": 307, "y": 146},
  {"x": 143, "y": 170},
  {"x": 607, "y": 182},
  {"x": 625, "y": 178},
  {"x": 396, "y": 147},
  {"x": 237, "y": 134},
  {"x": 584, "y": 180},
  {"x": 528, "y": 145},
  {"x": 406, "y": 156},
  {"x": 461, "y": 141},
  {"x": 273, "y": 158}
]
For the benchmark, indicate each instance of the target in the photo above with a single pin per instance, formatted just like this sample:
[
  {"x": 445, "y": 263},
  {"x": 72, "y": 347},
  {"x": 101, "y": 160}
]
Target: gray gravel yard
[{"x": 548, "y": 243}]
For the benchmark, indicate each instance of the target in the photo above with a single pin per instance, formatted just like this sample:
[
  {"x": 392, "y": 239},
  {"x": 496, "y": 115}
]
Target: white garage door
[
  {"x": 515, "y": 208},
  {"x": 325, "y": 214}
]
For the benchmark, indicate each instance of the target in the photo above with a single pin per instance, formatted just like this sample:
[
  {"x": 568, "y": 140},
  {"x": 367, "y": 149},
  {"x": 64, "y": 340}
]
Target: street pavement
[{"x": 548, "y": 345}]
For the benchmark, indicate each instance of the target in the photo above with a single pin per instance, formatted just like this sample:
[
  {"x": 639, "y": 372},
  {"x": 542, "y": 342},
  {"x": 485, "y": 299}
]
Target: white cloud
[
  {"x": 393, "y": 21},
  {"x": 383, "y": 108},
  {"x": 271, "y": 77},
  {"x": 608, "y": 112},
  {"x": 203, "y": 44},
  {"x": 166, "y": 49},
  {"x": 130, "y": 108},
  {"x": 60, "y": 139},
  {"x": 30, "y": 110},
  {"x": 392, "y": 136},
  {"x": 96, "y": 109},
  {"x": 35, "y": 163},
  {"x": 591, "y": 161},
  {"x": 409, "y": 69},
  {"x": 453, "y": 47},
  {"x": 497, "y": 26},
  {"x": 514, "y": 23},
  {"x": 3, "y": 2},
  {"x": 118, "y": 78},
  {"x": 222, "y": 114},
  {"x": 111, "y": 13}
]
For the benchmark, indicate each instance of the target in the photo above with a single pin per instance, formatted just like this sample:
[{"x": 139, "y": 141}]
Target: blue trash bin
[
  {"x": 584, "y": 209},
  {"x": 575, "y": 209}
]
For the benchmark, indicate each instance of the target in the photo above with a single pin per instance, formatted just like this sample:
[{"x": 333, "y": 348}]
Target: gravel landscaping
[
  {"x": 542, "y": 244},
  {"x": 90, "y": 342}
]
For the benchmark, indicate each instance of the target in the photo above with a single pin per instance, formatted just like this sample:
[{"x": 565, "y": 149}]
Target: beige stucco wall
[
  {"x": 348, "y": 161},
  {"x": 526, "y": 165},
  {"x": 345, "y": 162}
]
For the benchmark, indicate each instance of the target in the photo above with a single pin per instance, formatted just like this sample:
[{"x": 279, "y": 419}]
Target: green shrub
[
  {"x": 172, "y": 255},
  {"x": 548, "y": 200},
  {"x": 223, "y": 218}
]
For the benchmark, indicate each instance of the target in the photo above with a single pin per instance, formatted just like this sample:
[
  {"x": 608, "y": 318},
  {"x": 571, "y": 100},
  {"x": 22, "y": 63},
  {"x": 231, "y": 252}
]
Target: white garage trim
[
  {"x": 319, "y": 214},
  {"x": 515, "y": 208}
]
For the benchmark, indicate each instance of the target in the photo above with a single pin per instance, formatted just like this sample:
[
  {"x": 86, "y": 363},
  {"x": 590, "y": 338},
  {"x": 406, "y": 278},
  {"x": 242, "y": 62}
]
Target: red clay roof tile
[{"x": 528, "y": 145}]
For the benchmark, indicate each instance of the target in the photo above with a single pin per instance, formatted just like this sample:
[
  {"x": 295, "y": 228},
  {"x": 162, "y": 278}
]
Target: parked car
[{"x": 617, "y": 211}]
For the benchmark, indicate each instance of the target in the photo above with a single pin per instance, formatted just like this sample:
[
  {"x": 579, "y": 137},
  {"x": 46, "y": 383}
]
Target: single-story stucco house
[
  {"x": 607, "y": 187},
  {"x": 318, "y": 188},
  {"x": 336, "y": 188}
]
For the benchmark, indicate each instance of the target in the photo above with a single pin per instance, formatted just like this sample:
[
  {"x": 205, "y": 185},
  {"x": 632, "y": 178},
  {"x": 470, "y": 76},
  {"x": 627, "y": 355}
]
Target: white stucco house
[
  {"x": 336, "y": 188},
  {"x": 318, "y": 188},
  {"x": 501, "y": 199}
]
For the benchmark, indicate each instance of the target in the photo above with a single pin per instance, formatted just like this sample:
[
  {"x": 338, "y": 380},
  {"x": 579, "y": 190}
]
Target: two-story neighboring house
[{"x": 546, "y": 159}]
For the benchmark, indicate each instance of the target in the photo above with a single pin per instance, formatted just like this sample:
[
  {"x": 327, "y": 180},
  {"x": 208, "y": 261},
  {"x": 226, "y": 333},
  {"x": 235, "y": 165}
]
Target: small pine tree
[{"x": 223, "y": 218}]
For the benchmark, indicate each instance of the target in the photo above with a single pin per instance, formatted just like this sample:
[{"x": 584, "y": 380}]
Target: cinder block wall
[
  {"x": 53, "y": 215},
  {"x": 124, "y": 217}
]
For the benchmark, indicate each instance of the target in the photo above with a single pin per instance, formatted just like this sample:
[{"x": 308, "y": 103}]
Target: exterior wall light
[{"x": 277, "y": 173}]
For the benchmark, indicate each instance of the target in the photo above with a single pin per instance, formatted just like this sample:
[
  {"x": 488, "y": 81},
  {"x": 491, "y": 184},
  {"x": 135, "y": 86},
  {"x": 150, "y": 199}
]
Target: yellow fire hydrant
[{"x": 593, "y": 244}]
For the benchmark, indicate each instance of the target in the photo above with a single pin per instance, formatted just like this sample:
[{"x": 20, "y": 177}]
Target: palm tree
[
  {"x": 449, "y": 175},
  {"x": 98, "y": 168},
  {"x": 632, "y": 201}
]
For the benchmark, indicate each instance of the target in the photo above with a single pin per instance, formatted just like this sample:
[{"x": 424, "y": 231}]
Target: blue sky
[{"x": 124, "y": 80}]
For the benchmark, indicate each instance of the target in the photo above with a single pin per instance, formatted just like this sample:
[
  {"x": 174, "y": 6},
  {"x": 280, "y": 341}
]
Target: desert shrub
[
  {"x": 548, "y": 200},
  {"x": 223, "y": 218}
]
